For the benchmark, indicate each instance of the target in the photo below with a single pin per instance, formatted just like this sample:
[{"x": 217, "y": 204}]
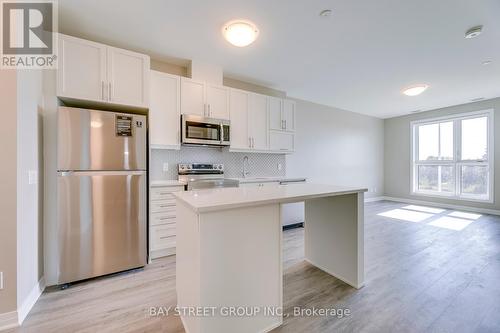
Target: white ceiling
[{"x": 359, "y": 59}]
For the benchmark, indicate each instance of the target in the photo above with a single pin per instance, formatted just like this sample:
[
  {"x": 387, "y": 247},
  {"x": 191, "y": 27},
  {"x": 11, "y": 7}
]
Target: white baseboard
[
  {"x": 30, "y": 300},
  {"x": 373, "y": 199},
  {"x": 8, "y": 320},
  {"x": 443, "y": 205}
]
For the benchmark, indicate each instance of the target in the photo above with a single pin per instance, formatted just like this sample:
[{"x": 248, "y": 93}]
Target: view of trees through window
[{"x": 451, "y": 157}]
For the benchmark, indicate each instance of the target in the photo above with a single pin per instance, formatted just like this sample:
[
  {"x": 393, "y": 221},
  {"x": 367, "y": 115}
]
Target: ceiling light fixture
[
  {"x": 474, "y": 32},
  {"x": 325, "y": 13},
  {"x": 486, "y": 62},
  {"x": 415, "y": 90},
  {"x": 240, "y": 33}
]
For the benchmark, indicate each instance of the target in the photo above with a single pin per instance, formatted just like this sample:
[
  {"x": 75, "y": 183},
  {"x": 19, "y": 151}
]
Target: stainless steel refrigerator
[{"x": 101, "y": 193}]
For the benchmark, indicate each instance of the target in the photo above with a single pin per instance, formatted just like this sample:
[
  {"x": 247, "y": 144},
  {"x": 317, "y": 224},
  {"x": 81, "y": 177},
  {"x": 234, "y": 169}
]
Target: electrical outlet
[
  {"x": 165, "y": 167},
  {"x": 279, "y": 166},
  {"x": 1, "y": 280}
]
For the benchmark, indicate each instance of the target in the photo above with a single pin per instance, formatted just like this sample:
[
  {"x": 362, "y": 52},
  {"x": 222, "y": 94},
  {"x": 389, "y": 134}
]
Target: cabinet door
[
  {"x": 193, "y": 97},
  {"x": 217, "y": 102},
  {"x": 289, "y": 115},
  {"x": 257, "y": 115},
  {"x": 238, "y": 105},
  {"x": 275, "y": 109},
  {"x": 82, "y": 69},
  {"x": 164, "y": 110},
  {"x": 128, "y": 77},
  {"x": 281, "y": 141}
]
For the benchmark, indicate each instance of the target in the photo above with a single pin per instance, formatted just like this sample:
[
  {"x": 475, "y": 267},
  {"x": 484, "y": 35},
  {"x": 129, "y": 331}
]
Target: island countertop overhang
[{"x": 209, "y": 200}]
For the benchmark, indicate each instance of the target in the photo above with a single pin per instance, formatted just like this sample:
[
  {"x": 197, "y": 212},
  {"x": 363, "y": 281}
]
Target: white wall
[
  {"x": 338, "y": 147},
  {"x": 398, "y": 153},
  {"x": 29, "y": 196}
]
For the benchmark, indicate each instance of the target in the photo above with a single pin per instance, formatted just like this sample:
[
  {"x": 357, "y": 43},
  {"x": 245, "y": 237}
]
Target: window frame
[{"x": 456, "y": 162}]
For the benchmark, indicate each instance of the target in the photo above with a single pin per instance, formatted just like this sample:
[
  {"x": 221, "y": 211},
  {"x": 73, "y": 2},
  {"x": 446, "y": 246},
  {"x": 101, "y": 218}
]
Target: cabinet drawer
[
  {"x": 163, "y": 218},
  {"x": 162, "y": 206},
  {"x": 162, "y": 193},
  {"x": 162, "y": 236}
]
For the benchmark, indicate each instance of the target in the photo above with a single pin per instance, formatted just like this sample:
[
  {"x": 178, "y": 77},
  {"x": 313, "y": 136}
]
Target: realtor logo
[{"x": 29, "y": 34}]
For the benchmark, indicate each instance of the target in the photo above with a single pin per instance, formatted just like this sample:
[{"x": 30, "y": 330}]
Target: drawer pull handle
[{"x": 165, "y": 237}]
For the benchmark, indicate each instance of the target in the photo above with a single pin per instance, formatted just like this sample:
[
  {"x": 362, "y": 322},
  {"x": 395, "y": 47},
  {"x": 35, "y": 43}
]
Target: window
[{"x": 453, "y": 156}]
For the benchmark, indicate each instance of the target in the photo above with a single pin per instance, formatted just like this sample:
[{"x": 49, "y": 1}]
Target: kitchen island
[{"x": 229, "y": 251}]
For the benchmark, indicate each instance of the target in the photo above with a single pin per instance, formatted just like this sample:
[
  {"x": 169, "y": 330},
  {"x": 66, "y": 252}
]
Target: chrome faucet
[{"x": 245, "y": 171}]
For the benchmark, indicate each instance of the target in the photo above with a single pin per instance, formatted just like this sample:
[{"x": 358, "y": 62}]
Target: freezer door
[
  {"x": 100, "y": 140},
  {"x": 101, "y": 223}
]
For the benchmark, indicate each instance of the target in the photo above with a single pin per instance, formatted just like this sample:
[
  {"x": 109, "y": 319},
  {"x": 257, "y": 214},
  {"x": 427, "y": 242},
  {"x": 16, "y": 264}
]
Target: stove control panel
[{"x": 200, "y": 168}]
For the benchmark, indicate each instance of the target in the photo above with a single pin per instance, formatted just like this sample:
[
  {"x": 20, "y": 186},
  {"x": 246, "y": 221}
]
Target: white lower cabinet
[{"x": 162, "y": 220}]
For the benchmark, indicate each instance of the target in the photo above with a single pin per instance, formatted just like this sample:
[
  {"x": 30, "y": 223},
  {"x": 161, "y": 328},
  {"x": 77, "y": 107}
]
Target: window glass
[
  {"x": 447, "y": 179},
  {"x": 428, "y": 142},
  {"x": 428, "y": 177},
  {"x": 475, "y": 180},
  {"x": 475, "y": 139},
  {"x": 446, "y": 140},
  {"x": 453, "y": 164}
]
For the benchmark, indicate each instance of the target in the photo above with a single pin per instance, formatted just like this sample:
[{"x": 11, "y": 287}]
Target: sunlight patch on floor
[
  {"x": 425, "y": 209},
  {"x": 406, "y": 215},
  {"x": 451, "y": 223},
  {"x": 463, "y": 215},
  {"x": 454, "y": 220}
]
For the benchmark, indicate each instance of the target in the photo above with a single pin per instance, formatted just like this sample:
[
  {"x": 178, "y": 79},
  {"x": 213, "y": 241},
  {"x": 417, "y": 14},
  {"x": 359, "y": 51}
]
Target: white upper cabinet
[
  {"x": 193, "y": 97},
  {"x": 281, "y": 141},
  {"x": 217, "y": 101},
  {"x": 257, "y": 115},
  {"x": 128, "y": 77},
  {"x": 275, "y": 113},
  {"x": 96, "y": 72},
  {"x": 164, "y": 111},
  {"x": 204, "y": 99},
  {"x": 82, "y": 69},
  {"x": 289, "y": 115},
  {"x": 281, "y": 114},
  {"x": 238, "y": 105}
]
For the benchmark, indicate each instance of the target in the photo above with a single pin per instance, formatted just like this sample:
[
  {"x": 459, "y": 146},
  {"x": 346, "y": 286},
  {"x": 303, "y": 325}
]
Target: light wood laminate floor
[{"x": 419, "y": 278}]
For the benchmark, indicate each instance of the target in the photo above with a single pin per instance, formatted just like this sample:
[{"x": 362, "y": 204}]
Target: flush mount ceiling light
[
  {"x": 415, "y": 90},
  {"x": 474, "y": 32},
  {"x": 486, "y": 62},
  {"x": 240, "y": 33}
]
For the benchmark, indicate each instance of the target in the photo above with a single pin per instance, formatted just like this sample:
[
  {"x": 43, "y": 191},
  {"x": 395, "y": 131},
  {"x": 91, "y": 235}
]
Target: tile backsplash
[{"x": 260, "y": 165}]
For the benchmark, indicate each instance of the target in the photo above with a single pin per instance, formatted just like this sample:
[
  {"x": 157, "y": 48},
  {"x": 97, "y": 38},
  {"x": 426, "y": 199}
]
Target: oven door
[{"x": 203, "y": 131}]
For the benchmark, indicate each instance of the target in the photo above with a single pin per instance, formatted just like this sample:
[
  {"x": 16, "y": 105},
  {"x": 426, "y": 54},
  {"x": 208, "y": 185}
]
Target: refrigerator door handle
[{"x": 101, "y": 173}]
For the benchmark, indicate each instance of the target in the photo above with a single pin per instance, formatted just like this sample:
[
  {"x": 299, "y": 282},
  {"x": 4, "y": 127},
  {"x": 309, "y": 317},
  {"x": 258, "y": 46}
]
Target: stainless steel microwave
[{"x": 198, "y": 130}]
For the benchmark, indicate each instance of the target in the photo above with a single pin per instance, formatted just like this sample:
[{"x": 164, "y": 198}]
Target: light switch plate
[
  {"x": 165, "y": 167},
  {"x": 280, "y": 166},
  {"x": 32, "y": 177},
  {"x": 1, "y": 280}
]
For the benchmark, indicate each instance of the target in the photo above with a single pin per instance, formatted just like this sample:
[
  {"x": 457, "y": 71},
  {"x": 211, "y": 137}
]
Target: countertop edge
[
  {"x": 160, "y": 183},
  {"x": 220, "y": 207}
]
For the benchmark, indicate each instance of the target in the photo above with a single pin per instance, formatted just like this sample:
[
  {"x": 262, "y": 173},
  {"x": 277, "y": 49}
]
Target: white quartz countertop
[
  {"x": 229, "y": 198},
  {"x": 159, "y": 183},
  {"x": 249, "y": 180}
]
